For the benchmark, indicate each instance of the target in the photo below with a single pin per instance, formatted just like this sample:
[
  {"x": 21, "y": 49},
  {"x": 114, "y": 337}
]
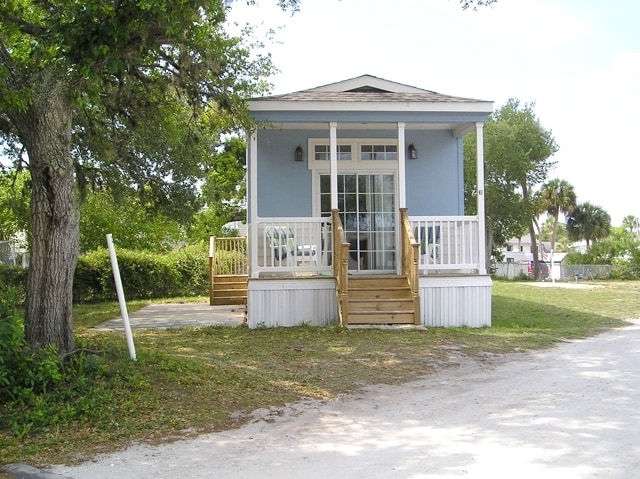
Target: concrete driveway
[{"x": 568, "y": 412}]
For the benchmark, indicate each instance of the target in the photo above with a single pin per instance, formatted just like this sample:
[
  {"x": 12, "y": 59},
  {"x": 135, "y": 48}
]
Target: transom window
[
  {"x": 379, "y": 152},
  {"x": 323, "y": 153},
  {"x": 362, "y": 151}
]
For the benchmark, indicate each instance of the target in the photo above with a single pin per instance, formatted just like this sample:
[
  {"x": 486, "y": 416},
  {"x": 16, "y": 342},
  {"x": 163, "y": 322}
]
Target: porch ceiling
[{"x": 458, "y": 129}]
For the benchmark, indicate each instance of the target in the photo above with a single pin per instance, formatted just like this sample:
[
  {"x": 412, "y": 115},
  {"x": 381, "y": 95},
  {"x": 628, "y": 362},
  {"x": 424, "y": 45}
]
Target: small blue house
[{"x": 356, "y": 208}]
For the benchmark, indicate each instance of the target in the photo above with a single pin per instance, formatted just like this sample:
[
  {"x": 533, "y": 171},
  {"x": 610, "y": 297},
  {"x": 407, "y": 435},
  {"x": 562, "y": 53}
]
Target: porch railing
[
  {"x": 294, "y": 245},
  {"x": 341, "y": 267},
  {"x": 410, "y": 260},
  {"x": 447, "y": 243},
  {"x": 228, "y": 256}
]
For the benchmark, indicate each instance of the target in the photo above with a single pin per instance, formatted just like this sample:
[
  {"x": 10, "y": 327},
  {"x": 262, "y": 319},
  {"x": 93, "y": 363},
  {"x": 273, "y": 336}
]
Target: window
[
  {"x": 379, "y": 152},
  {"x": 323, "y": 153},
  {"x": 363, "y": 152}
]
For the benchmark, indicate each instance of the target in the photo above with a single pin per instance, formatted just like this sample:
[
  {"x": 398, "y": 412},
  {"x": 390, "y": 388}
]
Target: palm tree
[
  {"x": 588, "y": 222},
  {"x": 558, "y": 196}
]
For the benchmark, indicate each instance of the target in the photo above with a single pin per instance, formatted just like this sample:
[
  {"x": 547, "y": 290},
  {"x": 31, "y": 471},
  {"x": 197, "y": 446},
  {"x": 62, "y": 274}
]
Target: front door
[{"x": 367, "y": 211}]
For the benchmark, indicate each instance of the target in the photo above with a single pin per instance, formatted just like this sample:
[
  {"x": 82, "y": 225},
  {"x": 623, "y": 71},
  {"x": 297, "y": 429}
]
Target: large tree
[
  {"x": 517, "y": 152},
  {"x": 95, "y": 92}
]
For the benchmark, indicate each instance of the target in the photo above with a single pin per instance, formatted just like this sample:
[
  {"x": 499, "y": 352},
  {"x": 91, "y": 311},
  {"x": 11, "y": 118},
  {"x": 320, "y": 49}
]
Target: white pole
[
  {"x": 481, "y": 213},
  {"x": 333, "y": 162},
  {"x": 123, "y": 304}
]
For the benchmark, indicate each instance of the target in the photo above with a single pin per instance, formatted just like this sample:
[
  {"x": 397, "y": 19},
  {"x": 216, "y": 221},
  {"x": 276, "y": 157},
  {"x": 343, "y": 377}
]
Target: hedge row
[{"x": 181, "y": 273}]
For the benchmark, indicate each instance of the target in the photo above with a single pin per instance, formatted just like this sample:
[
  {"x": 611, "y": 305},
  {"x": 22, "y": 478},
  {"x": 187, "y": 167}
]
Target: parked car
[{"x": 544, "y": 269}]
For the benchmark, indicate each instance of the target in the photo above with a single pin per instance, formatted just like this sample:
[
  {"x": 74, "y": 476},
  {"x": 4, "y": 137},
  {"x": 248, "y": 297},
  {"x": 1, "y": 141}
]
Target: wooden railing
[
  {"x": 228, "y": 256},
  {"x": 447, "y": 243},
  {"x": 340, "y": 267},
  {"x": 410, "y": 260}
]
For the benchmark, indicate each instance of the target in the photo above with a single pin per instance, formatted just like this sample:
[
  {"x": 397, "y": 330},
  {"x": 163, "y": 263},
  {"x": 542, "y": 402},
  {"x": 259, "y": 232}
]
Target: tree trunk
[
  {"x": 534, "y": 251},
  {"x": 46, "y": 134}
]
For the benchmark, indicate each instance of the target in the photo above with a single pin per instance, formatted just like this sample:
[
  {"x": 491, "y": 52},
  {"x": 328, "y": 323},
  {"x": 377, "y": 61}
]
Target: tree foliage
[
  {"x": 223, "y": 193},
  {"x": 517, "y": 151},
  {"x": 588, "y": 222},
  {"x": 125, "y": 95},
  {"x": 133, "y": 224},
  {"x": 557, "y": 196},
  {"x": 14, "y": 203}
]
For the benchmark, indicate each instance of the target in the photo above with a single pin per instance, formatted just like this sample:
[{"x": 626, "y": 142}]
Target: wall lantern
[
  {"x": 299, "y": 153},
  {"x": 413, "y": 152}
]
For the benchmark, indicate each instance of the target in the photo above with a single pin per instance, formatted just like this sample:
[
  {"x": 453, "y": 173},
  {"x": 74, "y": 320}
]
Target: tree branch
[
  {"x": 8, "y": 63},
  {"x": 24, "y": 26}
]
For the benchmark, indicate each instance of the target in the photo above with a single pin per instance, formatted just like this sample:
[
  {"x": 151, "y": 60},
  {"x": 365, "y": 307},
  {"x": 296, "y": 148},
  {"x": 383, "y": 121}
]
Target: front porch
[
  {"x": 333, "y": 173},
  {"x": 300, "y": 272}
]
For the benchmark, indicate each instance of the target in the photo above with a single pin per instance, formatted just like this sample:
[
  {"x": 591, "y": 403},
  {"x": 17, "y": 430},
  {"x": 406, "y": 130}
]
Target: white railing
[
  {"x": 447, "y": 243},
  {"x": 294, "y": 245}
]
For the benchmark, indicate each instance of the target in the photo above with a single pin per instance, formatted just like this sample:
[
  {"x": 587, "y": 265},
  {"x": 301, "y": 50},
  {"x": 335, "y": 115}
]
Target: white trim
[
  {"x": 253, "y": 201},
  {"x": 402, "y": 190},
  {"x": 378, "y": 107},
  {"x": 463, "y": 129},
  {"x": 333, "y": 164},
  {"x": 370, "y": 81},
  {"x": 480, "y": 186},
  {"x": 369, "y": 126},
  {"x": 355, "y": 162}
]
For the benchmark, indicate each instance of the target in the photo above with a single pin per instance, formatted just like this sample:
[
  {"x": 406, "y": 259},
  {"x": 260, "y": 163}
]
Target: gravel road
[{"x": 569, "y": 412}]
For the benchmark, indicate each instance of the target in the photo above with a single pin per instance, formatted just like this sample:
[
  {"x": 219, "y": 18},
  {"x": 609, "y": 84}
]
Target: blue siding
[
  {"x": 434, "y": 180},
  {"x": 284, "y": 185}
]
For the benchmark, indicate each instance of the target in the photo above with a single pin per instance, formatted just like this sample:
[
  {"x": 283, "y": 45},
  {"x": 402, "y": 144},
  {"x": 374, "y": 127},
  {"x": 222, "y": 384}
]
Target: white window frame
[{"x": 355, "y": 163}]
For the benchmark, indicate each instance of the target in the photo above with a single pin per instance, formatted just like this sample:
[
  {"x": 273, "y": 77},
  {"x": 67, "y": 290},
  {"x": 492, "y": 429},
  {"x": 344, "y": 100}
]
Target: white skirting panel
[
  {"x": 456, "y": 301},
  {"x": 291, "y": 302}
]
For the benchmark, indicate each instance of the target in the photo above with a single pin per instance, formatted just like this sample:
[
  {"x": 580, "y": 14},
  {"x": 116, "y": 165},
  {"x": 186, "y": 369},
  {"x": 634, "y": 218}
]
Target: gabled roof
[
  {"x": 369, "y": 83},
  {"x": 368, "y": 93}
]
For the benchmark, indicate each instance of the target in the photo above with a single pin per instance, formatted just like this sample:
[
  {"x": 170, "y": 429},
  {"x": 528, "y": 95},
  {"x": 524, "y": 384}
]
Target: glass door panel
[{"x": 367, "y": 211}]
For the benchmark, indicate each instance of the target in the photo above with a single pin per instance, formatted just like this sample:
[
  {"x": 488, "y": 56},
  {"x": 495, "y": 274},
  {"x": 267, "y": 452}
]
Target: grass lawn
[{"x": 189, "y": 381}]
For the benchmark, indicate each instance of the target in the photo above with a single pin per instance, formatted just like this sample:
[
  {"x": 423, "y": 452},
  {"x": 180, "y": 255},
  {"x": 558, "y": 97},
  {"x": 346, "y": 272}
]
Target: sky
[{"x": 577, "y": 60}]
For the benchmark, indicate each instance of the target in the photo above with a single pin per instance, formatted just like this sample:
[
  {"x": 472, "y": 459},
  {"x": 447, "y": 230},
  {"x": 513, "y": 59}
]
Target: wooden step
[
  {"x": 377, "y": 281},
  {"x": 218, "y": 301},
  {"x": 380, "y": 300},
  {"x": 394, "y": 317},
  {"x": 364, "y": 304},
  {"x": 386, "y": 293},
  {"x": 231, "y": 278},
  {"x": 229, "y": 290}
]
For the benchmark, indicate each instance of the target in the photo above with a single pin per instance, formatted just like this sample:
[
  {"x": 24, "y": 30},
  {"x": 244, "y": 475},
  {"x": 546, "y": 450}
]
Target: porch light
[
  {"x": 413, "y": 152},
  {"x": 299, "y": 153}
]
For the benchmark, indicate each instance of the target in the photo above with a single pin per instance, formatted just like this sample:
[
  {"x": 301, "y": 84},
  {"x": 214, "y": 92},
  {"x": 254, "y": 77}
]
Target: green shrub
[
  {"x": 144, "y": 275},
  {"x": 39, "y": 389},
  {"x": 14, "y": 277},
  {"x": 192, "y": 265}
]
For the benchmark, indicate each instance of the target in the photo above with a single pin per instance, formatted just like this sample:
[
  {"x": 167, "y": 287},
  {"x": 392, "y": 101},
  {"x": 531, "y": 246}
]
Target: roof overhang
[{"x": 324, "y": 106}]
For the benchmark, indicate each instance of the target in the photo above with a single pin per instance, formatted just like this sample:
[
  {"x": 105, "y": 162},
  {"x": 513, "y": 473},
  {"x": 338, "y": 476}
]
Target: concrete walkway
[{"x": 179, "y": 315}]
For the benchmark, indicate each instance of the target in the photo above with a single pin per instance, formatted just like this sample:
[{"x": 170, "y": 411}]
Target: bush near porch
[{"x": 180, "y": 273}]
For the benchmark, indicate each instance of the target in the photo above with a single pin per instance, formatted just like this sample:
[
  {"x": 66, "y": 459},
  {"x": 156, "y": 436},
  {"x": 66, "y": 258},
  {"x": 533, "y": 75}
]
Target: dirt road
[{"x": 569, "y": 412}]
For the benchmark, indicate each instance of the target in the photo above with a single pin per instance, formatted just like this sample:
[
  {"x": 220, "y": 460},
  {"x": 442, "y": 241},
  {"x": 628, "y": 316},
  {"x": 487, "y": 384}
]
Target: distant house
[
  {"x": 519, "y": 251},
  {"x": 356, "y": 208}
]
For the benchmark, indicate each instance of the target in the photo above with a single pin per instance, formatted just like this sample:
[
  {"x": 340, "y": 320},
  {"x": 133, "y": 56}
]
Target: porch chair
[
  {"x": 283, "y": 247},
  {"x": 429, "y": 241}
]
